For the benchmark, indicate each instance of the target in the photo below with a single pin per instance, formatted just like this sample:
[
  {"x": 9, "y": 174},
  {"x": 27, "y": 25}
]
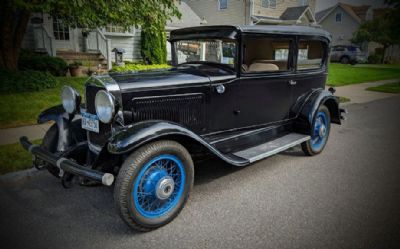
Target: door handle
[
  {"x": 292, "y": 82},
  {"x": 220, "y": 89}
]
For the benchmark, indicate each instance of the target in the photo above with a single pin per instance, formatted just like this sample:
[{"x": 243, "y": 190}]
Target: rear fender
[
  {"x": 308, "y": 105},
  {"x": 134, "y": 136}
]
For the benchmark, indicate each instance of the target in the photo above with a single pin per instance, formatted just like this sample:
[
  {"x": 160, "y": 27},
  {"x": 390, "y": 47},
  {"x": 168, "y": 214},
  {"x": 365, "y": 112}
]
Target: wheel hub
[
  {"x": 322, "y": 131},
  {"x": 165, "y": 187}
]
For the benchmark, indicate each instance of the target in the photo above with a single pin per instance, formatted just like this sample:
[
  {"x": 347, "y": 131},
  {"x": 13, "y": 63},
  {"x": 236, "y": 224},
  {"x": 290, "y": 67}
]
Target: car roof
[{"x": 229, "y": 31}]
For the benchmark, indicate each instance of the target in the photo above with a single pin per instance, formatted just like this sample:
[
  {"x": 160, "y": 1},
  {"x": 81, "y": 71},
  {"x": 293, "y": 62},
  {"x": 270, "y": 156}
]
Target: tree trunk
[
  {"x": 384, "y": 53},
  {"x": 12, "y": 27}
]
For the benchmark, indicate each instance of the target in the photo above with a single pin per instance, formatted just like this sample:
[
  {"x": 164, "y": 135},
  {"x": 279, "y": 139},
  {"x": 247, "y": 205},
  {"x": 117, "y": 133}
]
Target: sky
[{"x": 324, "y": 4}]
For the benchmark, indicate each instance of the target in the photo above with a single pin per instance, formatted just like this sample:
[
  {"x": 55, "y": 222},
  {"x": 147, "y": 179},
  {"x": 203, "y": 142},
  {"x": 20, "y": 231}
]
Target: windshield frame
[{"x": 231, "y": 67}]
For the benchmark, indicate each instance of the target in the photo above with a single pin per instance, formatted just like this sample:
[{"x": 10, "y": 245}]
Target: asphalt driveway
[{"x": 347, "y": 197}]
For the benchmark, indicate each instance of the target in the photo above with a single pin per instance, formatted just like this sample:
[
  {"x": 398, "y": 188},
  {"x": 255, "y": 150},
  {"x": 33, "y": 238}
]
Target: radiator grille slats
[{"x": 187, "y": 110}]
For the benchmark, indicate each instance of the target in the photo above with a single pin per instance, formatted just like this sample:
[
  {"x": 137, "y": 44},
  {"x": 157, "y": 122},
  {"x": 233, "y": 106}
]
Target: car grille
[
  {"x": 99, "y": 139},
  {"x": 187, "y": 110}
]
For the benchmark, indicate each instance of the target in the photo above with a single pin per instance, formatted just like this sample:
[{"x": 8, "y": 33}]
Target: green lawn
[
  {"x": 341, "y": 75},
  {"x": 386, "y": 88},
  {"x": 13, "y": 157},
  {"x": 20, "y": 109}
]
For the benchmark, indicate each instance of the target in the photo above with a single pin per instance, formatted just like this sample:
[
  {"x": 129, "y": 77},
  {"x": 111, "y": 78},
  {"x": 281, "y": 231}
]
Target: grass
[
  {"x": 343, "y": 99},
  {"x": 13, "y": 157},
  {"x": 386, "y": 88},
  {"x": 20, "y": 109},
  {"x": 341, "y": 75}
]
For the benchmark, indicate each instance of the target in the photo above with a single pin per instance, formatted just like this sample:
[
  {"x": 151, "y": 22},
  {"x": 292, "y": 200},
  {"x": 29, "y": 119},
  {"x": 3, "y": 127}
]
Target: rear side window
[
  {"x": 266, "y": 54},
  {"x": 310, "y": 54}
]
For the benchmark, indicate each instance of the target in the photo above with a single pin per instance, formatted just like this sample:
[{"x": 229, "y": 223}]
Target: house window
[
  {"x": 303, "y": 2},
  {"x": 268, "y": 4},
  {"x": 60, "y": 31},
  {"x": 338, "y": 17},
  {"x": 222, "y": 4},
  {"x": 114, "y": 29},
  {"x": 272, "y": 4}
]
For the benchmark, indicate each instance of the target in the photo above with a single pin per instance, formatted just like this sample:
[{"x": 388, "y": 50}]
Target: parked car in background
[
  {"x": 239, "y": 93},
  {"x": 347, "y": 54}
]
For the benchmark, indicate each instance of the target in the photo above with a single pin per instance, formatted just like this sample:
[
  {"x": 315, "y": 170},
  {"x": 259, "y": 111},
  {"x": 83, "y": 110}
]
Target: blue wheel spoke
[{"x": 150, "y": 203}]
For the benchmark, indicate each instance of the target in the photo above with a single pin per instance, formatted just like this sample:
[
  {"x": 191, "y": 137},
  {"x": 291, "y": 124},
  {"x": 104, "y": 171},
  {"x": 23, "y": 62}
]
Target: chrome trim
[{"x": 94, "y": 148}]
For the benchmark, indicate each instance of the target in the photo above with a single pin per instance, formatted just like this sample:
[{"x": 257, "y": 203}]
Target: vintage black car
[{"x": 239, "y": 93}]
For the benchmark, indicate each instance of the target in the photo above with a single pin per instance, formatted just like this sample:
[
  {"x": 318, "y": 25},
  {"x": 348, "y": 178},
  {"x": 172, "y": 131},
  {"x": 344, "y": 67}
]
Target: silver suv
[{"x": 347, "y": 54}]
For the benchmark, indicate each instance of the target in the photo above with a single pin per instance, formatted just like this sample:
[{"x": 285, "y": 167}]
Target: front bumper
[{"x": 67, "y": 165}]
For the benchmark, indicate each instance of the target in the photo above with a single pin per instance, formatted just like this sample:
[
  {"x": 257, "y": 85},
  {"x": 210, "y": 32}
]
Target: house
[
  {"x": 342, "y": 20},
  {"x": 48, "y": 34},
  {"x": 254, "y": 11}
]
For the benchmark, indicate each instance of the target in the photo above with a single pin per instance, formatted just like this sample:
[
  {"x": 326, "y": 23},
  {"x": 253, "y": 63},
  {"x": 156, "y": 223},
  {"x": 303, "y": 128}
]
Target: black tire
[
  {"x": 308, "y": 147},
  {"x": 344, "y": 60},
  {"x": 49, "y": 143},
  {"x": 129, "y": 173}
]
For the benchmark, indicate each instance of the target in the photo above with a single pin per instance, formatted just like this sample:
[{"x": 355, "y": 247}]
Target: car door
[{"x": 263, "y": 95}]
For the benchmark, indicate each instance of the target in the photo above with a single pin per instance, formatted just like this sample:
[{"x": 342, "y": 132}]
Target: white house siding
[
  {"x": 131, "y": 45},
  {"x": 341, "y": 32},
  {"x": 281, "y": 6},
  {"x": 208, "y": 9}
]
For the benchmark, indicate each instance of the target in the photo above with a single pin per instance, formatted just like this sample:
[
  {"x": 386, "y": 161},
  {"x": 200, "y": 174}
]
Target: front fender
[
  {"x": 134, "y": 136},
  {"x": 51, "y": 114},
  {"x": 308, "y": 105}
]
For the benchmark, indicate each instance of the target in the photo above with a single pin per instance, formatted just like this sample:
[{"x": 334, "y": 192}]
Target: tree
[
  {"x": 15, "y": 14},
  {"x": 153, "y": 44},
  {"x": 383, "y": 29}
]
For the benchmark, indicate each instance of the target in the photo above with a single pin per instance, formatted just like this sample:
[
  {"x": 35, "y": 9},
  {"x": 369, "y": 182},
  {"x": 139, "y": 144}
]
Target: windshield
[{"x": 213, "y": 50}]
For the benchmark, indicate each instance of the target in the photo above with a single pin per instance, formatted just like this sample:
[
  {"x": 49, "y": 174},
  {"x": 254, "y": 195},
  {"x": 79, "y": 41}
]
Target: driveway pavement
[{"x": 346, "y": 197}]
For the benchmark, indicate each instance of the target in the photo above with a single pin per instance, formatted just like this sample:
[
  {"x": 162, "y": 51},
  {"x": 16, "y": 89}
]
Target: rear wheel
[
  {"x": 319, "y": 133},
  {"x": 153, "y": 185}
]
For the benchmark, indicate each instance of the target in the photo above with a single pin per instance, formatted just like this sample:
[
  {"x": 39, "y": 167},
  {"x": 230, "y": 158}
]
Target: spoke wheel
[
  {"x": 159, "y": 186},
  {"x": 319, "y": 133},
  {"x": 153, "y": 185}
]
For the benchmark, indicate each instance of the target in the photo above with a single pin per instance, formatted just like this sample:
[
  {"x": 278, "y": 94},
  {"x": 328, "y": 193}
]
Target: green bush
[
  {"x": 153, "y": 45},
  {"x": 41, "y": 62},
  {"x": 138, "y": 67},
  {"x": 25, "y": 81},
  {"x": 375, "y": 59}
]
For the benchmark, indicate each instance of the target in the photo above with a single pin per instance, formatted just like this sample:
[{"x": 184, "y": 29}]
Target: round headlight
[
  {"x": 69, "y": 99},
  {"x": 105, "y": 106}
]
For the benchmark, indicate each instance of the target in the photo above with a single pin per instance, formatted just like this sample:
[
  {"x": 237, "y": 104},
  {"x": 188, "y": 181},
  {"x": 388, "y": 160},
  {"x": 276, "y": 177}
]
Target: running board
[{"x": 272, "y": 147}]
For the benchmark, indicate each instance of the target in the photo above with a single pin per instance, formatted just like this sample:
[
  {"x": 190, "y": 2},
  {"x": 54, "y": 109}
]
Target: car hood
[{"x": 177, "y": 76}]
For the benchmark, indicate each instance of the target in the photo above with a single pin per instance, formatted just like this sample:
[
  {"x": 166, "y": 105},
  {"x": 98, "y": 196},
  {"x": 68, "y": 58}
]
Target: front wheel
[
  {"x": 319, "y": 133},
  {"x": 153, "y": 185}
]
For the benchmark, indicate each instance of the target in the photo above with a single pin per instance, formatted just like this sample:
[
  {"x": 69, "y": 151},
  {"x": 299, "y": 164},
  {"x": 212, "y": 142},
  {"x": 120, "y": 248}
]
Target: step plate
[{"x": 272, "y": 147}]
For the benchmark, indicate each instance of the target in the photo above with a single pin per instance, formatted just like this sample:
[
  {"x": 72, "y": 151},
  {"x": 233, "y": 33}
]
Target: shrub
[
  {"x": 138, "y": 67},
  {"x": 375, "y": 59},
  {"x": 153, "y": 45},
  {"x": 25, "y": 81},
  {"x": 41, "y": 62}
]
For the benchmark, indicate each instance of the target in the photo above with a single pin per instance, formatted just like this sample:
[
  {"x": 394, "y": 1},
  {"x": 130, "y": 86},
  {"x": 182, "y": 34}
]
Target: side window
[
  {"x": 310, "y": 54},
  {"x": 263, "y": 55}
]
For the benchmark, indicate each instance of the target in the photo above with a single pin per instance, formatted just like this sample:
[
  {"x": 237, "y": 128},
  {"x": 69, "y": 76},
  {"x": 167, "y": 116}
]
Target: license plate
[{"x": 90, "y": 122}]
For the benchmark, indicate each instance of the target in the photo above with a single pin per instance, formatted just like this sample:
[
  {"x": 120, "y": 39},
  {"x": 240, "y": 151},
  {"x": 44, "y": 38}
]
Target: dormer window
[
  {"x": 303, "y": 2},
  {"x": 222, "y": 4},
  {"x": 268, "y": 4},
  {"x": 338, "y": 17}
]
